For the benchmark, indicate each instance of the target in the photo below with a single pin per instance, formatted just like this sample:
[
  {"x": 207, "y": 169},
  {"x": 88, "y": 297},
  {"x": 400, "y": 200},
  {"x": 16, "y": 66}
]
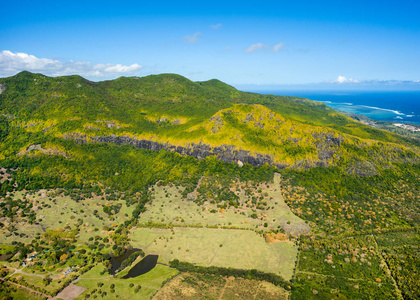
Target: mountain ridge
[{"x": 172, "y": 110}]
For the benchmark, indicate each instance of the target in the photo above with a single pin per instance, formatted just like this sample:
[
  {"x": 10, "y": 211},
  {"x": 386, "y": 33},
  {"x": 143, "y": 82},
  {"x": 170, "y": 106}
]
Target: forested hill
[
  {"x": 199, "y": 119},
  {"x": 320, "y": 205}
]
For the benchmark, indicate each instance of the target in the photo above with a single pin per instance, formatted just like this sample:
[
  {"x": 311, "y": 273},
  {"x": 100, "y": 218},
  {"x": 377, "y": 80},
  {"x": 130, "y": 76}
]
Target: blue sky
[{"x": 266, "y": 43}]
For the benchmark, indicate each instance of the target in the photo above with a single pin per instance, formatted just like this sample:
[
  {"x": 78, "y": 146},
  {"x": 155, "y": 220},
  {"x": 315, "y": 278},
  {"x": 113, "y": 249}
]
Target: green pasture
[
  {"x": 168, "y": 207},
  {"x": 57, "y": 212},
  {"x": 150, "y": 283},
  {"x": 18, "y": 293},
  {"x": 242, "y": 249},
  {"x": 37, "y": 280},
  {"x": 6, "y": 248}
]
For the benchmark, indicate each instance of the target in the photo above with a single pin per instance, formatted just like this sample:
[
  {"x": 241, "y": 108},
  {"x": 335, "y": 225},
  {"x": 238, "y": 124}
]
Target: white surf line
[
  {"x": 384, "y": 109},
  {"x": 336, "y": 103}
]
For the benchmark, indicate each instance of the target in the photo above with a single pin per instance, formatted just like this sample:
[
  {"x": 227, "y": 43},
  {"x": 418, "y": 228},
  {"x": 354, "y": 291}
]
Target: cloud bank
[
  {"x": 12, "y": 63},
  {"x": 341, "y": 79}
]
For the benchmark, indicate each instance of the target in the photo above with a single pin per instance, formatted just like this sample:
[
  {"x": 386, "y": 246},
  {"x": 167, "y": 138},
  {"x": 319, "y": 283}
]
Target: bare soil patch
[{"x": 70, "y": 292}]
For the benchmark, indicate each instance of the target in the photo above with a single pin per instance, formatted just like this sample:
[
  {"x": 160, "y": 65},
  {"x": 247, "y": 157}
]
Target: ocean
[{"x": 395, "y": 106}]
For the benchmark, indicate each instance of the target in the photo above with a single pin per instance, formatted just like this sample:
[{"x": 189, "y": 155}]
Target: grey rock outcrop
[
  {"x": 45, "y": 151},
  {"x": 327, "y": 146},
  {"x": 225, "y": 153}
]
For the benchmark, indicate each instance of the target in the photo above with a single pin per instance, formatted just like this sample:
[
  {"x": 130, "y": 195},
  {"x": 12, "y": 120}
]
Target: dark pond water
[
  {"x": 117, "y": 261},
  {"x": 143, "y": 266}
]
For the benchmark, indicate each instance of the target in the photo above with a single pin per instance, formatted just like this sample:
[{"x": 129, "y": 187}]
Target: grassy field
[
  {"x": 6, "y": 248},
  {"x": 150, "y": 283},
  {"x": 59, "y": 211},
  {"x": 189, "y": 286},
  {"x": 243, "y": 249},
  {"x": 10, "y": 290},
  {"x": 168, "y": 206},
  {"x": 37, "y": 281}
]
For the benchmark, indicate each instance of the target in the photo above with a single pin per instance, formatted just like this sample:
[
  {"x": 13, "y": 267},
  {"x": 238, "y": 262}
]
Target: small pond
[
  {"x": 117, "y": 261},
  {"x": 143, "y": 266}
]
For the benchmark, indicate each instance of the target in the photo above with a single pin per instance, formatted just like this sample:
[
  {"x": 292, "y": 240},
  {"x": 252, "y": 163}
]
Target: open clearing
[
  {"x": 189, "y": 286},
  {"x": 70, "y": 292},
  {"x": 242, "y": 249},
  {"x": 59, "y": 211},
  {"x": 168, "y": 207},
  {"x": 18, "y": 292}
]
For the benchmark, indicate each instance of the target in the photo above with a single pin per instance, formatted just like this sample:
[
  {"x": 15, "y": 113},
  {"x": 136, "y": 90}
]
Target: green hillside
[
  {"x": 287, "y": 194},
  {"x": 171, "y": 109}
]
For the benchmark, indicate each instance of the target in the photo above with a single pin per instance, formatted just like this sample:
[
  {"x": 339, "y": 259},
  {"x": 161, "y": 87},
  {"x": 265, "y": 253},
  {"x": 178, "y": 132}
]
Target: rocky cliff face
[{"x": 225, "y": 153}]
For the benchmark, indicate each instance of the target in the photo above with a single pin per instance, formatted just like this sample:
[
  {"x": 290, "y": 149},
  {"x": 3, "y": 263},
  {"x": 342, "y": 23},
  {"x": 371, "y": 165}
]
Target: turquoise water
[{"x": 402, "y": 107}]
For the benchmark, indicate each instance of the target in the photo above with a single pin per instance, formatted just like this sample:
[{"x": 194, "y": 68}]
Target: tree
[
  {"x": 47, "y": 280},
  {"x": 53, "y": 257}
]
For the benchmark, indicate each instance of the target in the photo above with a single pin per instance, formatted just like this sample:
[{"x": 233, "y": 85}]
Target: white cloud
[
  {"x": 255, "y": 47},
  {"x": 372, "y": 82},
  {"x": 12, "y": 63},
  {"x": 277, "y": 47},
  {"x": 217, "y": 26},
  {"x": 118, "y": 68},
  {"x": 191, "y": 39},
  {"x": 341, "y": 79}
]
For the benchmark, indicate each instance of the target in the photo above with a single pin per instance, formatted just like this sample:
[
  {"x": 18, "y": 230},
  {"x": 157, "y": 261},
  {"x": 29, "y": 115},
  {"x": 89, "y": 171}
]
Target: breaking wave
[{"x": 384, "y": 109}]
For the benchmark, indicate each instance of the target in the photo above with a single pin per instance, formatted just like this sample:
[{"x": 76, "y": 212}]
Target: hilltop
[{"x": 173, "y": 111}]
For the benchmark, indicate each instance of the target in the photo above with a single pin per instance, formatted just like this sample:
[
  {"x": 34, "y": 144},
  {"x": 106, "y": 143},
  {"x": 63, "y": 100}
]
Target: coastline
[{"x": 391, "y": 106}]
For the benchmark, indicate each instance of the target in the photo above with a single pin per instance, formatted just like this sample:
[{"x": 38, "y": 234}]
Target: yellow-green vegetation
[
  {"x": 15, "y": 292},
  {"x": 53, "y": 210},
  {"x": 401, "y": 251},
  {"x": 4, "y": 249},
  {"x": 259, "y": 129},
  {"x": 241, "y": 249},
  {"x": 339, "y": 203},
  {"x": 141, "y": 287},
  {"x": 37, "y": 280},
  {"x": 89, "y": 170},
  {"x": 203, "y": 286},
  {"x": 171, "y": 109},
  {"x": 259, "y": 206},
  {"x": 344, "y": 268}
]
